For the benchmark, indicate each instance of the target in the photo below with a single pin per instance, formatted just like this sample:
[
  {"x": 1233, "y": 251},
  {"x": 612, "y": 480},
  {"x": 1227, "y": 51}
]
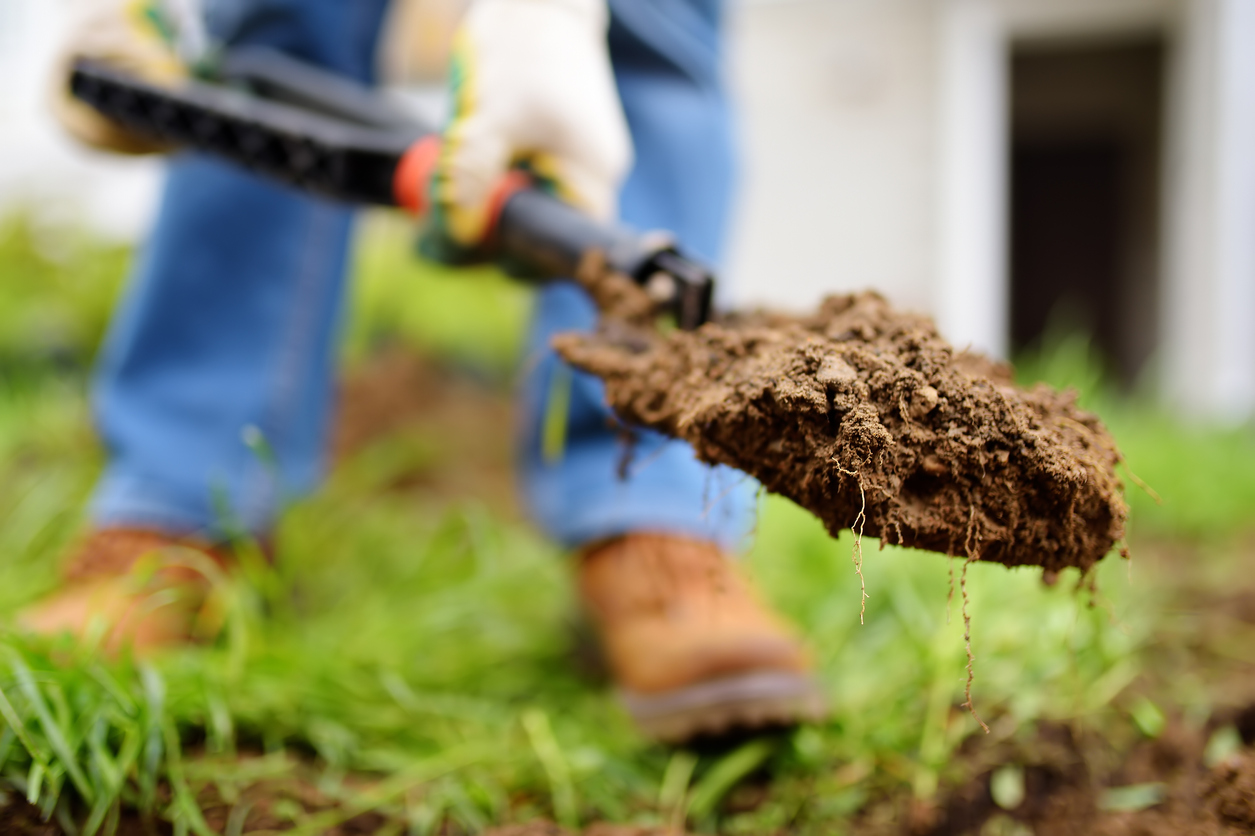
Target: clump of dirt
[{"x": 866, "y": 417}]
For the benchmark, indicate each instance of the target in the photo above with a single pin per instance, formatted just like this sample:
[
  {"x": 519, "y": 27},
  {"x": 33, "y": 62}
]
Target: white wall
[
  {"x": 1209, "y": 325},
  {"x": 970, "y": 287},
  {"x": 837, "y": 126}
]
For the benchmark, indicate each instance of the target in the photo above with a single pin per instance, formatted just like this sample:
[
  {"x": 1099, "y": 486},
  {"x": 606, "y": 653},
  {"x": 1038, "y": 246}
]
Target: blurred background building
[{"x": 1012, "y": 166}]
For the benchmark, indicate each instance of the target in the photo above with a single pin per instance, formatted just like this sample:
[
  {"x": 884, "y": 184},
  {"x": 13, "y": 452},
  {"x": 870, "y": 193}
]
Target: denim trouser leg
[
  {"x": 666, "y": 60},
  {"x": 227, "y": 330}
]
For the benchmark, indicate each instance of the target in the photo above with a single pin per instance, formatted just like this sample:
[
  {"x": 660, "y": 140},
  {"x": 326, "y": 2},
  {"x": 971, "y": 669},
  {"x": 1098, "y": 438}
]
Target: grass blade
[
  {"x": 540, "y": 733},
  {"x": 34, "y": 782},
  {"x": 15, "y": 725},
  {"x": 52, "y": 730},
  {"x": 674, "y": 787},
  {"x": 7, "y": 739},
  {"x": 114, "y": 689},
  {"x": 725, "y": 774},
  {"x": 98, "y": 814},
  {"x": 187, "y": 811}
]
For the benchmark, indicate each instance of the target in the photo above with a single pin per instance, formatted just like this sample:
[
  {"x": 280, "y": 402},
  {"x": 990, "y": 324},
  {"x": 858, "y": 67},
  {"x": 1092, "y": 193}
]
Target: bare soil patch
[
  {"x": 1075, "y": 783},
  {"x": 466, "y": 427}
]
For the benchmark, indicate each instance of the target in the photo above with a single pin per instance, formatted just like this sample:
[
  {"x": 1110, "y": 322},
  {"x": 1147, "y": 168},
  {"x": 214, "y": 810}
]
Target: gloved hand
[
  {"x": 137, "y": 36},
  {"x": 532, "y": 88}
]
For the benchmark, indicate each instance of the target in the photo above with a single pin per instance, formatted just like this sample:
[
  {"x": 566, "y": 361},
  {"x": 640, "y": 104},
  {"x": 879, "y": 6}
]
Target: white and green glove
[
  {"x": 532, "y": 89},
  {"x": 151, "y": 39}
]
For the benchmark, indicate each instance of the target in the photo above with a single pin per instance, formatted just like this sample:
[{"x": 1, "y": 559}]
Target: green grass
[
  {"x": 57, "y": 288},
  {"x": 421, "y": 664}
]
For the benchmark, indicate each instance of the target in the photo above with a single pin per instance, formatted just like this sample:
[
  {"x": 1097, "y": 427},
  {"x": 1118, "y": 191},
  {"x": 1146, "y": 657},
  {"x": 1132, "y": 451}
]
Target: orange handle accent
[
  {"x": 413, "y": 174},
  {"x": 412, "y": 179}
]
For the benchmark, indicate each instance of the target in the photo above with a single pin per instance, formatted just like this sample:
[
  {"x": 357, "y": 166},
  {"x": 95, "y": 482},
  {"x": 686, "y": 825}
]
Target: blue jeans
[{"x": 215, "y": 382}]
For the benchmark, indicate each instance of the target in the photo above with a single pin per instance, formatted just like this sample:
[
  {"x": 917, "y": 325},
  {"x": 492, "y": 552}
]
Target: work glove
[
  {"x": 141, "y": 37},
  {"x": 532, "y": 89},
  {"x": 416, "y": 43}
]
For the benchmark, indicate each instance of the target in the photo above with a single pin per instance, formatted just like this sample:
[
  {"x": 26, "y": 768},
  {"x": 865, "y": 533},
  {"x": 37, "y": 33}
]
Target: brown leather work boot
[
  {"x": 690, "y": 647},
  {"x": 141, "y": 589}
]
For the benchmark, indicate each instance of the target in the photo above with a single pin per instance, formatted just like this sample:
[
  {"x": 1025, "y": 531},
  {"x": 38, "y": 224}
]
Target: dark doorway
[{"x": 1085, "y": 195}]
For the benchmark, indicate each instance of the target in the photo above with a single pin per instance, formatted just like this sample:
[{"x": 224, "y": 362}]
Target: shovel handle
[
  {"x": 529, "y": 227},
  {"x": 275, "y": 117}
]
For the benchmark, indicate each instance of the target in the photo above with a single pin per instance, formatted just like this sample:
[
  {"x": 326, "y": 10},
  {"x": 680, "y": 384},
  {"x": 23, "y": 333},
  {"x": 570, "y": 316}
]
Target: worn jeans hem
[{"x": 140, "y": 512}]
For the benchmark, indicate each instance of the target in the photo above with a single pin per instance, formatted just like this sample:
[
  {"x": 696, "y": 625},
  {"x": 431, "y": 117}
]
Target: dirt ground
[
  {"x": 1072, "y": 782},
  {"x": 399, "y": 395}
]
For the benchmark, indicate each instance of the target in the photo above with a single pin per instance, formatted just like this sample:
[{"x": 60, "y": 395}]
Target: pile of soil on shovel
[{"x": 866, "y": 417}]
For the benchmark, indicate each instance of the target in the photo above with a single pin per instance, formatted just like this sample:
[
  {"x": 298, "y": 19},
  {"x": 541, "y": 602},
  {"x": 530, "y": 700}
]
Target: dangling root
[
  {"x": 629, "y": 441},
  {"x": 1088, "y": 582},
  {"x": 857, "y": 555},
  {"x": 971, "y": 546},
  {"x": 752, "y": 534},
  {"x": 711, "y": 504},
  {"x": 967, "y": 643},
  {"x": 1147, "y": 489}
]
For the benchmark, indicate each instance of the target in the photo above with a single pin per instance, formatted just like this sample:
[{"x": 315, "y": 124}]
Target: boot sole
[{"x": 719, "y": 706}]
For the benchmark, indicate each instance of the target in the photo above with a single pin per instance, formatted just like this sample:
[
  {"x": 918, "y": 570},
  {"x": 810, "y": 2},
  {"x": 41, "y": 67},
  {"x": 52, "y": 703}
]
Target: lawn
[{"x": 413, "y": 662}]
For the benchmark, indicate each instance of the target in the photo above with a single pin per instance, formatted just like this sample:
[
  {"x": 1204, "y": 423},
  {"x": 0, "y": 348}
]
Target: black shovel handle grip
[
  {"x": 553, "y": 237},
  {"x": 537, "y": 229}
]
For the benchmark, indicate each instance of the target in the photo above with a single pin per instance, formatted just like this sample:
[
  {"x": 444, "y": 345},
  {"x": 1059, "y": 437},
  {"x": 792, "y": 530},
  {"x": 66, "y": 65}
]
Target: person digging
[{"x": 228, "y": 328}]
